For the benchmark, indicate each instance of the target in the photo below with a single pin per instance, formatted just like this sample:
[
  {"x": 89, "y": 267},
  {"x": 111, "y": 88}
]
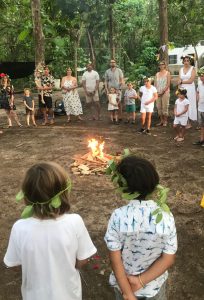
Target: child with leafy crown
[
  {"x": 181, "y": 114},
  {"x": 49, "y": 243},
  {"x": 141, "y": 236}
]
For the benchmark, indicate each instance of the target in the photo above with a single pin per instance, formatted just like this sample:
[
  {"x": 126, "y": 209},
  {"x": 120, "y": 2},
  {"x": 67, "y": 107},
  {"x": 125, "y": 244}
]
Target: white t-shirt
[
  {"x": 180, "y": 106},
  {"x": 90, "y": 78},
  {"x": 47, "y": 251},
  {"x": 147, "y": 94},
  {"x": 200, "y": 90}
]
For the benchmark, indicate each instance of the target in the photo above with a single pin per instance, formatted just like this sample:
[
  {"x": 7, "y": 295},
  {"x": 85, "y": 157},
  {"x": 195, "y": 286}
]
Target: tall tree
[
  {"x": 163, "y": 28},
  {"x": 38, "y": 32}
]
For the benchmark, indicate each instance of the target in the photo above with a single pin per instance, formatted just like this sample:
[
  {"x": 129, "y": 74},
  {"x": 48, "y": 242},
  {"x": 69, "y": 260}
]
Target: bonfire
[{"x": 93, "y": 162}]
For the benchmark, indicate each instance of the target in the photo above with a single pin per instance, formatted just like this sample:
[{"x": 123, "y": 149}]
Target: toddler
[
  {"x": 181, "y": 114},
  {"x": 29, "y": 106},
  {"x": 113, "y": 100}
]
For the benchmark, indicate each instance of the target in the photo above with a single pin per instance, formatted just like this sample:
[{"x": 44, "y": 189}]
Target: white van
[{"x": 175, "y": 61}]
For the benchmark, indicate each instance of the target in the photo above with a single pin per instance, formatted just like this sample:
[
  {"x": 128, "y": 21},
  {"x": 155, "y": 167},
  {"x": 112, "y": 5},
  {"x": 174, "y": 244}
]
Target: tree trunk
[
  {"x": 38, "y": 33},
  {"x": 163, "y": 28},
  {"x": 111, "y": 32},
  {"x": 77, "y": 38},
  {"x": 75, "y": 57},
  {"x": 91, "y": 49}
]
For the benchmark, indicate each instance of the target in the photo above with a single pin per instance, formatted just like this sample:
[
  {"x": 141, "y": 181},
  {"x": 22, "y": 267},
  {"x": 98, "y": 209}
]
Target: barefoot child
[
  {"x": 200, "y": 98},
  {"x": 29, "y": 106},
  {"x": 51, "y": 244},
  {"x": 129, "y": 99},
  {"x": 113, "y": 100},
  {"x": 181, "y": 114},
  {"x": 140, "y": 249},
  {"x": 148, "y": 95}
]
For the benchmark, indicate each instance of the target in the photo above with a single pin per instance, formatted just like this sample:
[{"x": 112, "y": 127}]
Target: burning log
[{"x": 93, "y": 162}]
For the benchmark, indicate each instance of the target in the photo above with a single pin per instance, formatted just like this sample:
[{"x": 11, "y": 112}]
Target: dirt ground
[{"x": 181, "y": 168}]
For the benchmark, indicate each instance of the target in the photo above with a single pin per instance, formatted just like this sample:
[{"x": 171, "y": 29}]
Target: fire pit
[{"x": 93, "y": 162}]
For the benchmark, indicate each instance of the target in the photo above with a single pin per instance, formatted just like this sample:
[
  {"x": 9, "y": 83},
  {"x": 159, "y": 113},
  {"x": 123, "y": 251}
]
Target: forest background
[{"x": 76, "y": 32}]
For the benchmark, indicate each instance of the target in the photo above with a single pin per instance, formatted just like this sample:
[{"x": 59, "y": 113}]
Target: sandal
[
  {"x": 159, "y": 124},
  {"x": 176, "y": 138},
  {"x": 180, "y": 139}
]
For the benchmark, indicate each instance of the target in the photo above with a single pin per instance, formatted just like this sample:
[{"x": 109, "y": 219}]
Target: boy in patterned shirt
[
  {"x": 140, "y": 249},
  {"x": 129, "y": 99}
]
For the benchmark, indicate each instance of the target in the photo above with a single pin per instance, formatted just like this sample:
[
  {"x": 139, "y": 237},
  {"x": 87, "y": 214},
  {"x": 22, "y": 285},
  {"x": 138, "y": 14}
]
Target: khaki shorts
[
  {"x": 92, "y": 98},
  {"x": 163, "y": 104}
]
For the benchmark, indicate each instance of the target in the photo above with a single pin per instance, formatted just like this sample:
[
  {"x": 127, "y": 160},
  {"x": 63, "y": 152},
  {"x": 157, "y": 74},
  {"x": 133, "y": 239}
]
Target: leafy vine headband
[
  {"x": 54, "y": 202},
  {"x": 120, "y": 182}
]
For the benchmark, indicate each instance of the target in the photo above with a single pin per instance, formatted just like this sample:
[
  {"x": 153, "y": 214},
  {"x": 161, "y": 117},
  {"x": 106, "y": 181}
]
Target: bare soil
[{"x": 181, "y": 168}]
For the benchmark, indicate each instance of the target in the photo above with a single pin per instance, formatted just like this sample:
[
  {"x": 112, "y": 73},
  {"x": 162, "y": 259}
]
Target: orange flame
[{"x": 96, "y": 148}]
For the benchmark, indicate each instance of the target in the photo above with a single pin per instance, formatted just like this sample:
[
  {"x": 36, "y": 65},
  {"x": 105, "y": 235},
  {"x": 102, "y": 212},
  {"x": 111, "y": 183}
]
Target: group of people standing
[
  {"x": 90, "y": 84},
  {"x": 113, "y": 82}
]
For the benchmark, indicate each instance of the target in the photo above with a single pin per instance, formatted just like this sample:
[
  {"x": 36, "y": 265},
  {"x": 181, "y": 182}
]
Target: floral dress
[{"x": 72, "y": 103}]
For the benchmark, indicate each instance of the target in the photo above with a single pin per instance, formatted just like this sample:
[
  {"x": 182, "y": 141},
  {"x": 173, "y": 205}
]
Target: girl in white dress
[
  {"x": 113, "y": 99},
  {"x": 72, "y": 103},
  {"x": 186, "y": 81}
]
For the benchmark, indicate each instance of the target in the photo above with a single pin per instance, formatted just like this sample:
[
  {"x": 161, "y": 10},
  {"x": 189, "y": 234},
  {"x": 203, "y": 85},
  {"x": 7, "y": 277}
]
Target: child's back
[
  {"x": 48, "y": 250},
  {"x": 141, "y": 249},
  {"x": 141, "y": 239}
]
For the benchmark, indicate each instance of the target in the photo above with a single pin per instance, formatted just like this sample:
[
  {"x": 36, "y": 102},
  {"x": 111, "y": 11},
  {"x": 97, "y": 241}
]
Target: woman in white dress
[
  {"x": 72, "y": 103},
  {"x": 187, "y": 76}
]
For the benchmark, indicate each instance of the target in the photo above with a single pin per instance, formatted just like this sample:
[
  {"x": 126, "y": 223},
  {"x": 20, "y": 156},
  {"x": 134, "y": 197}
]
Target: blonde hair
[
  {"x": 27, "y": 89},
  {"x": 42, "y": 182}
]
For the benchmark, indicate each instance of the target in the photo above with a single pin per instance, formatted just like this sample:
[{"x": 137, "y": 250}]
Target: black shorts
[
  {"x": 31, "y": 112},
  {"x": 5, "y": 105},
  {"x": 48, "y": 102}
]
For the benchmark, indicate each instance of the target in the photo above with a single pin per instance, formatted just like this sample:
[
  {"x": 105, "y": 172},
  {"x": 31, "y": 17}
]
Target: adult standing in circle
[
  {"x": 7, "y": 99},
  {"x": 187, "y": 76},
  {"x": 114, "y": 78},
  {"x": 90, "y": 82},
  {"x": 72, "y": 103},
  {"x": 45, "y": 104},
  {"x": 162, "y": 84}
]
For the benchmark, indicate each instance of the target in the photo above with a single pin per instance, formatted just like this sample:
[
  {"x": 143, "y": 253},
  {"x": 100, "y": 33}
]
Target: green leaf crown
[
  {"x": 54, "y": 202},
  {"x": 121, "y": 184}
]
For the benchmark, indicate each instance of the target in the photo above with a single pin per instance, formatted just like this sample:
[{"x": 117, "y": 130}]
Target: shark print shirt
[{"x": 132, "y": 229}]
